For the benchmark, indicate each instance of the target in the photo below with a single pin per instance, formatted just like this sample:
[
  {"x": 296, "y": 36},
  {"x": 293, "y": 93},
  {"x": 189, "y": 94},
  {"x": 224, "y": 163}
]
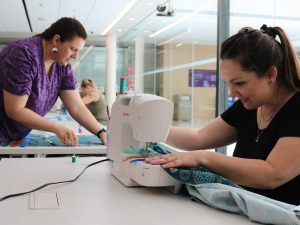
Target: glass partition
[{"x": 175, "y": 57}]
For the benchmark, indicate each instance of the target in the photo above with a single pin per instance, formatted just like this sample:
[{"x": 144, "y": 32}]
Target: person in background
[
  {"x": 94, "y": 100},
  {"x": 33, "y": 73},
  {"x": 262, "y": 71}
]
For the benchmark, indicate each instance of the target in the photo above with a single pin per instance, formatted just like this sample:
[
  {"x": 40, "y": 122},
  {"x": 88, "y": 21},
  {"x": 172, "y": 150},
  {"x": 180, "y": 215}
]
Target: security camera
[
  {"x": 161, "y": 7},
  {"x": 170, "y": 12}
]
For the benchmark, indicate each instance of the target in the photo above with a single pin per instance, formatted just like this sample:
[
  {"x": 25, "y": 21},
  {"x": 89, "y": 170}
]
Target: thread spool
[{"x": 122, "y": 85}]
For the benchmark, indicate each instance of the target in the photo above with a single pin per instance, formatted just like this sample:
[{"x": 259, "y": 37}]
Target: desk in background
[{"x": 96, "y": 198}]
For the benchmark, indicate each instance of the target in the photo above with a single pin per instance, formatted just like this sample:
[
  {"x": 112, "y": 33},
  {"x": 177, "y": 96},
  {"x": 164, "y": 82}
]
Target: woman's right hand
[
  {"x": 188, "y": 159},
  {"x": 66, "y": 135}
]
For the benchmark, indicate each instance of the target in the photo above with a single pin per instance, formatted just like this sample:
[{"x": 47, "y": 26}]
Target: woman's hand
[
  {"x": 66, "y": 136},
  {"x": 188, "y": 159}
]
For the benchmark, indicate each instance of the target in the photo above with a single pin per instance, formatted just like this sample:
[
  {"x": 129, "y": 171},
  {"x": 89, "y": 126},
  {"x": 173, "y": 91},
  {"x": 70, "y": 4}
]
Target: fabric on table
[
  {"x": 236, "y": 200},
  {"x": 41, "y": 140},
  {"x": 216, "y": 191}
]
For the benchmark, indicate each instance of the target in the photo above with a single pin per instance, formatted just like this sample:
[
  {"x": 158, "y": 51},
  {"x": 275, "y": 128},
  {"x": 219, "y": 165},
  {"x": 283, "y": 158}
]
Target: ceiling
[
  {"x": 22, "y": 18},
  {"x": 95, "y": 15}
]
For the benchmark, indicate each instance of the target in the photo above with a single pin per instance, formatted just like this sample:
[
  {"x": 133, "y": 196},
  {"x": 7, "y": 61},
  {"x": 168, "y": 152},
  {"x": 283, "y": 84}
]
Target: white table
[{"x": 96, "y": 198}]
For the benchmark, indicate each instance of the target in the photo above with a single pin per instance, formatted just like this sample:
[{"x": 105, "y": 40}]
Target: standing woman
[
  {"x": 94, "y": 100},
  {"x": 34, "y": 72}
]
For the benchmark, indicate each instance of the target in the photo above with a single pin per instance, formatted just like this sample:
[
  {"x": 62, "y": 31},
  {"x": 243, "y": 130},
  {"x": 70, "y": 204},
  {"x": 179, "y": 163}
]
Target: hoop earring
[{"x": 54, "y": 49}]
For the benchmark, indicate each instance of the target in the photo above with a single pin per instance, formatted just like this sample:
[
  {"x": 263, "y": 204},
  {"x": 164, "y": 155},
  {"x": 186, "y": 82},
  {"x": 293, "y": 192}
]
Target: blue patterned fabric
[
  {"x": 193, "y": 176},
  {"x": 199, "y": 175},
  {"x": 45, "y": 141},
  {"x": 83, "y": 140}
]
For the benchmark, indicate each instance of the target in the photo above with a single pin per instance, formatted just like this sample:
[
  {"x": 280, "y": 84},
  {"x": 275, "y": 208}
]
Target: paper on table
[{"x": 44, "y": 200}]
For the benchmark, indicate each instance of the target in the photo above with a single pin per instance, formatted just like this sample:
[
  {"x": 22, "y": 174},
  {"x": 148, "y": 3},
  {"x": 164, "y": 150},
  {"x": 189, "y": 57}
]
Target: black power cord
[{"x": 52, "y": 183}]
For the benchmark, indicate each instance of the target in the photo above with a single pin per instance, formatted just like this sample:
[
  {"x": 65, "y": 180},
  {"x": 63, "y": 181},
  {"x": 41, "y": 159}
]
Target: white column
[
  {"x": 111, "y": 70},
  {"x": 139, "y": 64}
]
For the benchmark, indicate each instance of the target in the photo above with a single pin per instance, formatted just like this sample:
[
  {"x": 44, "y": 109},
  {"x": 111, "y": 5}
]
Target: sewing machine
[{"x": 136, "y": 120}]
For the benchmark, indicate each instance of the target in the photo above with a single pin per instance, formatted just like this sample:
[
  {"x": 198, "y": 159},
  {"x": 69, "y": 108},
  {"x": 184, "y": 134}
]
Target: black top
[{"x": 286, "y": 123}]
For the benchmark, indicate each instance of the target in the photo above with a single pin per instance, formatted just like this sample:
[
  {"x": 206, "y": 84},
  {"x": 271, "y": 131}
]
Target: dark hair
[
  {"x": 257, "y": 50},
  {"x": 67, "y": 28}
]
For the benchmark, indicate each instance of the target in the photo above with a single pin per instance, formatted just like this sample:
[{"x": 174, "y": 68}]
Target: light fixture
[
  {"x": 188, "y": 16},
  {"x": 114, "y": 22},
  {"x": 176, "y": 37}
]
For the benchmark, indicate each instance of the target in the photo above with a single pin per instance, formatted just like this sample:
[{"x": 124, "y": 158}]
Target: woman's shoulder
[{"x": 28, "y": 46}]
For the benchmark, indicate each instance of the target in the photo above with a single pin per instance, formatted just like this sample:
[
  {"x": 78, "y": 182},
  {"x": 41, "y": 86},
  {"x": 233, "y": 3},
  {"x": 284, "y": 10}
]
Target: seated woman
[{"x": 94, "y": 100}]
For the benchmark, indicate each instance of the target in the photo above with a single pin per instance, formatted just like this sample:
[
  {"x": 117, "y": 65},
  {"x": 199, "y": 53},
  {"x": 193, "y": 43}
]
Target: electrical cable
[{"x": 52, "y": 183}]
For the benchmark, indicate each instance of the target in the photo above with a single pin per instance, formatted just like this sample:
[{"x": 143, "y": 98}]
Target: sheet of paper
[{"x": 44, "y": 200}]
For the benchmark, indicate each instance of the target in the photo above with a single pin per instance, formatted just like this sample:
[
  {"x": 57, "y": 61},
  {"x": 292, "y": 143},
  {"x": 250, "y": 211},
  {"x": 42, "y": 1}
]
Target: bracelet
[{"x": 100, "y": 131}]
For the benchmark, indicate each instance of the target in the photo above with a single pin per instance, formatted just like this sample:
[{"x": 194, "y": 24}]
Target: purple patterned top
[{"x": 22, "y": 72}]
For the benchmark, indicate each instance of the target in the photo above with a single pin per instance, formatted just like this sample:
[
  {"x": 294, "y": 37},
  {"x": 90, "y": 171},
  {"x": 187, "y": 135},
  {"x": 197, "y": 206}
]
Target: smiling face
[
  {"x": 68, "y": 50},
  {"x": 252, "y": 90}
]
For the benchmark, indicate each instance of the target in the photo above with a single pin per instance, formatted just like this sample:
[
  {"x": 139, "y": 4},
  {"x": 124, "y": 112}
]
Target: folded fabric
[{"x": 257, "y": 207}]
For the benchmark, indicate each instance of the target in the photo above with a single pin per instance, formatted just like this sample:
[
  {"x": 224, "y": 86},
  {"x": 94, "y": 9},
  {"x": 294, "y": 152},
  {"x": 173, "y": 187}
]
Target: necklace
[{"x": 260, "y": 131}]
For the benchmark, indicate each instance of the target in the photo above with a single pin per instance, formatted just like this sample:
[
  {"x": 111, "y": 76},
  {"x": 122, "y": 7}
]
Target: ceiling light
[
  {"x": 114, "y": 22},
  {"x": 42, "y": 19},
  {"x": 184, "y": 33}
]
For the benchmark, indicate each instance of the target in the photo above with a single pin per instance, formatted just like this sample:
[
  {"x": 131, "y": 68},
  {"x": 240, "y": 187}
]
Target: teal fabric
[
  {"x": 41, "y": 140},
  {"x": 200, "y": 175},
  {"x": 216, "y": 191}
]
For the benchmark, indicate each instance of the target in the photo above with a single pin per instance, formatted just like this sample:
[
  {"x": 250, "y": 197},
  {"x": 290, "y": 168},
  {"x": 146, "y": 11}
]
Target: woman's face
[
  {"x": 85, "y": 90},
  {"x": 252, "y": 90},
  {"x": 68, "y": 50}
]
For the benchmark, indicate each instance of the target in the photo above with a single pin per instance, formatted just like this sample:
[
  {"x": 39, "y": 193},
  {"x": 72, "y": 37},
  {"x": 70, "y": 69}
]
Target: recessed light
[
  {"x": 131, "y": 19},
  {"x": 42, "y": 19}
]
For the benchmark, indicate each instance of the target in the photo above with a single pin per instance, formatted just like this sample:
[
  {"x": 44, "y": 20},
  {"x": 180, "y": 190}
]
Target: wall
[{"x": 176, "y": 81}]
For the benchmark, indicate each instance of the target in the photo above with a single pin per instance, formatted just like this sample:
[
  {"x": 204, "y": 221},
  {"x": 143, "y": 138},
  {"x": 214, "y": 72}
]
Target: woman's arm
[
  {"x": 215, "y": 134},
  {"x": 281, "y": 166},
  {"x": 15, "y": 109},
  {"x": 80, "y": 113}
]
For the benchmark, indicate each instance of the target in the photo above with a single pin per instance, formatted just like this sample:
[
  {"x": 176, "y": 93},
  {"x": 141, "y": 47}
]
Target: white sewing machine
[{"x": 136, "y": 120}]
